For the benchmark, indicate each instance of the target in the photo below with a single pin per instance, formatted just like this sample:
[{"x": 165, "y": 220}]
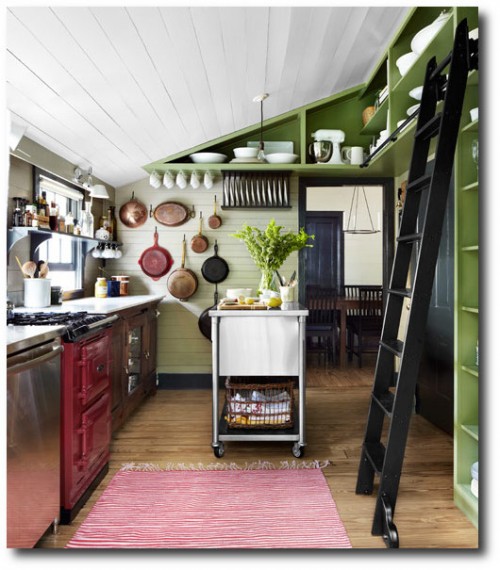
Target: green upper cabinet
[{"x": 344, "y": 110}]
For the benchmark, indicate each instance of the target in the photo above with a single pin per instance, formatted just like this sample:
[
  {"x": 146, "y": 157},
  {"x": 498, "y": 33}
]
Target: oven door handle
[{"x": 23, "y": 366}]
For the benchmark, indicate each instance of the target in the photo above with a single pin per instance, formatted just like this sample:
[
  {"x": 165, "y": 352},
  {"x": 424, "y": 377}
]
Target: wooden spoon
[
  {"x": 29, "y": 268},
  {"x": 21, "y": 267},
  {"x": 44, "y": 270}
]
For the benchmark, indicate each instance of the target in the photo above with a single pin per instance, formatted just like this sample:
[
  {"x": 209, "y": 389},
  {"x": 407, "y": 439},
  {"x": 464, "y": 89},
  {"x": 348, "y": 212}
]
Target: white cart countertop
[{"x": 291, "y": 310}]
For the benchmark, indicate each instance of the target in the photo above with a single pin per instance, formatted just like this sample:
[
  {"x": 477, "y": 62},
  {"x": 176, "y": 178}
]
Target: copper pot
[
  {"x": 199, "y": 243},
  {"x": 133, "y": 213},
  {"x": 182, "y": 283}
]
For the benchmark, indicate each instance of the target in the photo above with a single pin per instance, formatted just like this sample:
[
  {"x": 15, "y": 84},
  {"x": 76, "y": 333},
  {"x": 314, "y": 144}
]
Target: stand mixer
[{"x": 335, "y": 137}]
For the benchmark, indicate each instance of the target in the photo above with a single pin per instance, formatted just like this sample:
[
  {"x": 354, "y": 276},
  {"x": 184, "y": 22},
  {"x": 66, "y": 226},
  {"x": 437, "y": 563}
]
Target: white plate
[
  {"x": 208, "y": 157},
  {"x": 423, "y": 38},
  {"x": 405, "y": 62},
  {"x": 417, "y": 93},
  {"x": 412, "y": 109},
  {"x": 281, "y": 158}
]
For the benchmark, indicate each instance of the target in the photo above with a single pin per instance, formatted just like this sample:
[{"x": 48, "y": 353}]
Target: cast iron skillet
[
  {"x": 215, "y": 269},
  {"x": 205, "y": 321}
]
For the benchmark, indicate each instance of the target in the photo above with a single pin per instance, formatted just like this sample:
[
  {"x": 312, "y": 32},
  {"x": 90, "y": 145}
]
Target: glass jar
[{"x": 101, "y": 288}]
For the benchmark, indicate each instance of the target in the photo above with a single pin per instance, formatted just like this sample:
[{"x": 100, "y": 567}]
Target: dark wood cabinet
[{"x": 134, "y": 360}]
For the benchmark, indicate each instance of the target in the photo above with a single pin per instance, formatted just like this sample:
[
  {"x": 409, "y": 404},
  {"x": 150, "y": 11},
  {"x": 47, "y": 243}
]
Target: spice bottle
[
  {"x": 112, "y": 223},
  {"x": 101, "y": 288}
]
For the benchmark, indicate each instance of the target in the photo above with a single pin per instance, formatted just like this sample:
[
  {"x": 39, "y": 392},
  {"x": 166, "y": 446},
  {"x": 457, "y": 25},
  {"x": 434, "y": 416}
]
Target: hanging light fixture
[
  {"x": 260, "y": 99},
  {"x": 355, "y": 223}
]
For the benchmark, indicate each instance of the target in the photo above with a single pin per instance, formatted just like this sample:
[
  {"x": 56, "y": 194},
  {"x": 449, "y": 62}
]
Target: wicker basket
[
  {"x": 259, "y": 405},
  {"x": 368, "y": 114}
]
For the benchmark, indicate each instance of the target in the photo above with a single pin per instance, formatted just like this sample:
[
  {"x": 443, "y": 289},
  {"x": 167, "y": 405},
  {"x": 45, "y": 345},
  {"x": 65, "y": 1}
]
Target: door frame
[{"x": 388, "y": 218}]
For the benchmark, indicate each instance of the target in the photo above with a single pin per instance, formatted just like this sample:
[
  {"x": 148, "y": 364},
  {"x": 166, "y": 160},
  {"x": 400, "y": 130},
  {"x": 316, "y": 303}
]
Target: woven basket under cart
[{"x": 259, "y": 405}]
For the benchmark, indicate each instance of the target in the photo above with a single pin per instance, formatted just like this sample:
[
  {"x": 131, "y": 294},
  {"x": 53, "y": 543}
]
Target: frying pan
[
  {"x": 205, "y": 321},
  {"x": 173, "y": 214},
  {"x": 199, "y": 243},
  {"x": 155, "y": 261},
  {"x": 182, "y": 283},
  {"x": 214, "y": 221},
  {"x": 134, "y": 213},
  {"x": 215, "y": 269}
]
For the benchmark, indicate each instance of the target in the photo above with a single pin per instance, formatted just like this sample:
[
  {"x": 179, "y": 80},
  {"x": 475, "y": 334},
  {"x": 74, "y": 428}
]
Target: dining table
[{"x": 343, "y": 305}]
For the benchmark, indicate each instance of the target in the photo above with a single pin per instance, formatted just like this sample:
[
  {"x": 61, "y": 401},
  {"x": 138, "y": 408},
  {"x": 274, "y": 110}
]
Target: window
[{"x": 63, "y": 255}]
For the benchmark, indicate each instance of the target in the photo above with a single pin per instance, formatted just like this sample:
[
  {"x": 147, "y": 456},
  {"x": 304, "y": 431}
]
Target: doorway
[{"x": 310, "y": 263}]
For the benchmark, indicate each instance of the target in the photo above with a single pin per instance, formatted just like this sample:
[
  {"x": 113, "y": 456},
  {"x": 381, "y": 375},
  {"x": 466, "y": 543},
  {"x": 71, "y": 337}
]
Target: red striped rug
[{"x": 253, "y": 508}]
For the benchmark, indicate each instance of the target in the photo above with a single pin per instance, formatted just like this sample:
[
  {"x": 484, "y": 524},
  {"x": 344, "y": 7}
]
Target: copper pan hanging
[
  {"x": 133, "y": 213},
  {"x": 173, "y": 214}
]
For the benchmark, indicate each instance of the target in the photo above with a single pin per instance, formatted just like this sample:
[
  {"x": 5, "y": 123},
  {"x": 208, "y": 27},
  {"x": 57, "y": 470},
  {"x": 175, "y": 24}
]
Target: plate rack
[{"x": 242, "y": 189}]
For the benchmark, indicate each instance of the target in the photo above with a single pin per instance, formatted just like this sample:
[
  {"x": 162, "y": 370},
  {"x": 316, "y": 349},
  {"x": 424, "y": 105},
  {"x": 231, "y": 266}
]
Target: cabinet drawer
[{"x": 95, "y": 434}]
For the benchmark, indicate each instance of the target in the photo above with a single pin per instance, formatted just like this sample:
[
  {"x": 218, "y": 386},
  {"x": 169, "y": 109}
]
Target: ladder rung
[
  {"x": 400, "y": 292},
  {"x": 430, "y": 129},
  {"x": 385, "y": 401},
  {"x": 395, "y": 346},
  {"x": 409, "y": 238},
  {"x": 419, "y": 183},
  {"x": 444, "y": 63},
  {"x": 375, "y": 453}
]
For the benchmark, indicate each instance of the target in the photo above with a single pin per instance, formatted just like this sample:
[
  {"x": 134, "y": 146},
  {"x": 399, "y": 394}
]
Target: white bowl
[
  {"x": 245, "y": 152},
  {"x": 235, "y": 293},
  {"x": 474, "y": 114},
  {"x": 417, "y": 93},
  {"x": 412, "y": 109},
  {"x": 208, "y": 157},
  {"x": 423, "y": 38},
  {"x": 281, "y": 157},
  {"x": 405, "y": 62}
]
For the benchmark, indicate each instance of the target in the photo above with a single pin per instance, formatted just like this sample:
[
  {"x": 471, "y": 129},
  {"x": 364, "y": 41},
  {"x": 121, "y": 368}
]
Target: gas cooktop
[{"x": 77, "y": 324}]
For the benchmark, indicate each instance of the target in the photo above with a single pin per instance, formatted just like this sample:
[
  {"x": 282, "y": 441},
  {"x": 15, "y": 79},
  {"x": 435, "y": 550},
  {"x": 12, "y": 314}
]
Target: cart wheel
[
  {"x": 298, "y": 450},
  {"x": 219, "y": 450}
]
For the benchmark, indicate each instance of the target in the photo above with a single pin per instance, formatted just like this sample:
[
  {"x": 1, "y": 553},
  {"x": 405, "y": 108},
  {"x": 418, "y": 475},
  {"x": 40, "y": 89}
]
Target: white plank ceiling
[{"x": 116, "y": 88}]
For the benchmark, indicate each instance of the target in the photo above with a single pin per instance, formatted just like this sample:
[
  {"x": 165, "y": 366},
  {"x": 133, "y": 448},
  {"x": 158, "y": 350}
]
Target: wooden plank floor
[{"x": 175, "y": 426}]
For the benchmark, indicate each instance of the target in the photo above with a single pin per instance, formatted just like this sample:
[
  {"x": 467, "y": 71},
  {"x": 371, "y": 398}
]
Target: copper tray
[{"x": 173, "y": 214}]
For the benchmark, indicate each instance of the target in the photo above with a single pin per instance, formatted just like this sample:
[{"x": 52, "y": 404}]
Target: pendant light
[
  {"x": 356, "y": 225},
  {"x": 260, "y": 99}
]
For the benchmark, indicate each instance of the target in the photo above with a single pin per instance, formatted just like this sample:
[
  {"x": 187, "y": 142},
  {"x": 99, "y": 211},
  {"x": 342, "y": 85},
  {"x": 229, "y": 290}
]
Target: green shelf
[
  {"x": 471, "y": 430},
  {"x": 473, "y": 369},
  {"x": 379, "y": 120},
  {"x": 470, "y": 248},
  {"x": 471, "y": 187},
  {"x": 472, "y": 127},
  {"x": 474, "y": 310}
]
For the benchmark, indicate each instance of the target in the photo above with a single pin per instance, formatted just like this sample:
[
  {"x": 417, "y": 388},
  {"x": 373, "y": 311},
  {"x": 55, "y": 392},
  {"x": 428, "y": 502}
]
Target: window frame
[{"x": 77, "y": 264}]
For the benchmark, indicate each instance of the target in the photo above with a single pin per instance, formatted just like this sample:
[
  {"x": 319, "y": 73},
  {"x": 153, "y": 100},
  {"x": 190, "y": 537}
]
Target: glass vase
[{"x": 267, "y": 281}]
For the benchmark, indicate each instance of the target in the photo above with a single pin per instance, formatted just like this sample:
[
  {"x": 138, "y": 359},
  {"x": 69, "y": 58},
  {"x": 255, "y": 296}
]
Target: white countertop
[
  {"x": 21, "y": 337},
  {"x": 95, "y": 304}
]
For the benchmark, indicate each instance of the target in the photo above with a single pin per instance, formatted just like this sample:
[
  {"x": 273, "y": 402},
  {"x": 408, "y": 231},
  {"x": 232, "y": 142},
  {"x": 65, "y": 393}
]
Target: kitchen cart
[{"x": 258, "y": 343}]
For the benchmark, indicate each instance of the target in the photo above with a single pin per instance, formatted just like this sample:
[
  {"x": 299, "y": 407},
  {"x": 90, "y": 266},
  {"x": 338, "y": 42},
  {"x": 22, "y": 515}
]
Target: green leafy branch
[{"x": 269, "y": 248}]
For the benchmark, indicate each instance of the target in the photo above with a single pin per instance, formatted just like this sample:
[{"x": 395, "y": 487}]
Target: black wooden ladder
[{"x": 393, "y": 393}]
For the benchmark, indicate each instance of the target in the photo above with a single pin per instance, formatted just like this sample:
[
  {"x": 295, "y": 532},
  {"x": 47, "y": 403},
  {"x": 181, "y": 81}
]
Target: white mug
[
  {"x": 353, "y": 154},
  {"x": 195, "y": 180},
  {"x": 181, "y": 180},
  {"x": 208, "y": 180},
  {"x": 168, "y": 180},
  {"x": 154, "y": 179}
]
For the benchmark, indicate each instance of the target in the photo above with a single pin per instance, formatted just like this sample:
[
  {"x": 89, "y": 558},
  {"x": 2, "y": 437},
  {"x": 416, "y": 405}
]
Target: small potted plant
[{"x": 270, "y": 248}]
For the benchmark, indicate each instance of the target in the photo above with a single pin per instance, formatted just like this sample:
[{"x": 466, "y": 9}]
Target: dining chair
[
  {"x": 321, "y": 324},
  {"x": 364, "y": 328}
]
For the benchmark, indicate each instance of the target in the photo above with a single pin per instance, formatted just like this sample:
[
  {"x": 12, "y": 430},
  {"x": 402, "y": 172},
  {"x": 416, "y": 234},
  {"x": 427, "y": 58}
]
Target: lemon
[
  {"x": 249, "y": 300},
  {"x": 274, "y": 302}
]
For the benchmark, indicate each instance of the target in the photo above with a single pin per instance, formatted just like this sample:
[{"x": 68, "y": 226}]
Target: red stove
[{"x": 85, "y": 401}]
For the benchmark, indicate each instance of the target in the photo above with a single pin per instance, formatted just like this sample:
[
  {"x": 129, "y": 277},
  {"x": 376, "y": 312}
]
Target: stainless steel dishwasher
[{"x": 33, "y": 435}]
